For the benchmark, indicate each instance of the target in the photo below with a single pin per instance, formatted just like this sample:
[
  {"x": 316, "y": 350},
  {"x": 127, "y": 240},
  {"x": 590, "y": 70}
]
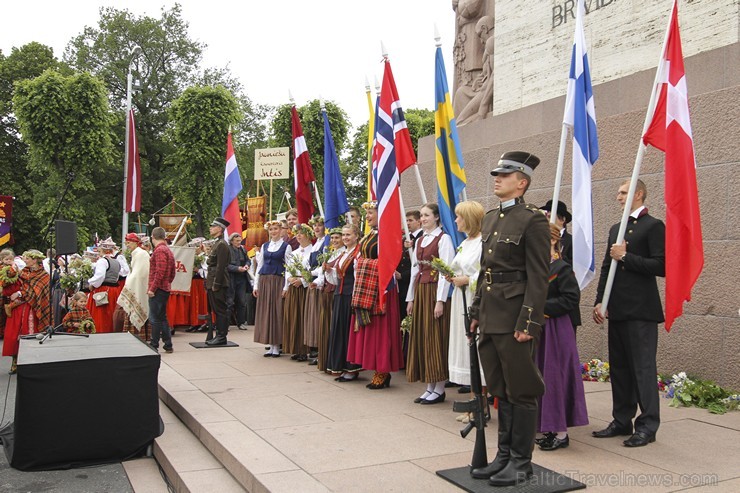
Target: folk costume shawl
[
  {"x": 133, "y": 298},
  {"x": 365, "y": 298},
  {"x": 35, "y": 290},
  {"x": 78, "y": 315}
]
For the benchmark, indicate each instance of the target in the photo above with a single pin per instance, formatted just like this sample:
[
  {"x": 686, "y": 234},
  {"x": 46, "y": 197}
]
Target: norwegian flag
[
  {"x": 393, "y": 153},
  {"x": 133, "y": 174},
  {"x": 302, "y": 171},
  {"x": 670, "y": 131}
]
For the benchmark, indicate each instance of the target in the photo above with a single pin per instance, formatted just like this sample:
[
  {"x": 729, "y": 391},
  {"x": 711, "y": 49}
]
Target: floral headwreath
[
  {"x": 303, "y": 228},
  {"x": 335, "y": 231},
  {"x": 372, "y": 204},
  {"x": 272, "y": 223},
  {"x": 315, "y": 220},
  {"x": 34, "y": 254}
]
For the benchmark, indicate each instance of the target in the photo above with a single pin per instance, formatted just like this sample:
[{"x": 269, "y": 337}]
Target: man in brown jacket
[
  {"x": 217, "y": 281},
  {"x": 508, "y": 309}
]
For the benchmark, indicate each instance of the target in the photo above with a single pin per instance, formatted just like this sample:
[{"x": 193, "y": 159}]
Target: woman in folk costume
[
  {"x": 30, "y": 310},
  {"x": 430, "y": 312},
  {"x": 133, "y": 302},
  {"x": 270, "y": 284},
  {"x": 375, "y": 339},
  {"x": 564, "y": 403},
  {"x": 312, "y": 306},
  {"x": 342, "y": 274},
  {"x": 104, "y": 280},
  {"x": 466, "y": 265},
  {"x": 10, "y": 282},
  {"x": 327, "y": 295},
  {"x": 295, "y": 297}
]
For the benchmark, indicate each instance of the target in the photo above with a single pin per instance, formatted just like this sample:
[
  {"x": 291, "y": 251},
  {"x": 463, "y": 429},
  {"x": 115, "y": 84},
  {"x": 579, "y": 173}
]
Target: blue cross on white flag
[{"x": 581, "y": 116}]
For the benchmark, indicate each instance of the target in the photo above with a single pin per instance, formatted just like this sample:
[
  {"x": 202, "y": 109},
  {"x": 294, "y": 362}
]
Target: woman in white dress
[{"x": 466, "y": 265}]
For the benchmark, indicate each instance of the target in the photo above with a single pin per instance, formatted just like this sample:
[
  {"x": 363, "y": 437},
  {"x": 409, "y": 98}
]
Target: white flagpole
[
  {"x": 558, "y": 174},
  {"x": 403, "y": 215},
  {"x": 659, "y": 76},
  {"x": 415, "y": 166}
]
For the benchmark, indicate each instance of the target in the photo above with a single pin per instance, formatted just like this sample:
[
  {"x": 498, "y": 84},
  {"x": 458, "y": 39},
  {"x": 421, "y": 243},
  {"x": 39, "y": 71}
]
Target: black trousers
[
  {"x": 218, "y": 302},
  {"x": 633, "y": 346},
  {"x": 510, "y": 370},
  {"x": 237, "y": 298}
]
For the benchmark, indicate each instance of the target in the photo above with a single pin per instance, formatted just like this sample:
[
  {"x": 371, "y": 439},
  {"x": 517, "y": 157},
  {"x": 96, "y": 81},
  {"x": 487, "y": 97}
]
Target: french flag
[{"x": 232, "y": 187}]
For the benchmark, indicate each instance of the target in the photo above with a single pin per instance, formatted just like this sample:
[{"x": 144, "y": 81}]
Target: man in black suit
[
  {"x": 634, "y": 313},
  {"x": 404, "y": 267}
]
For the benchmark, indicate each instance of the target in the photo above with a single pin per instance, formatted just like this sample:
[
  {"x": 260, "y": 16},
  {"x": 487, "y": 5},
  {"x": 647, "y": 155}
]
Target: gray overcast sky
[{"x": 312, "y": 47}]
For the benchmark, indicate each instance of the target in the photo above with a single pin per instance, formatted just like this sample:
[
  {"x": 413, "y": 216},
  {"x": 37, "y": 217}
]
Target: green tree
[
  {"x": 65, "y": 121},
  {"x": 200, "y": 121},
  {"x": 420, "y": 123},
  {"x": 168, "y": 63},
  {"x": 27, "y": 62},
  {"x": 313, "y": 129}
]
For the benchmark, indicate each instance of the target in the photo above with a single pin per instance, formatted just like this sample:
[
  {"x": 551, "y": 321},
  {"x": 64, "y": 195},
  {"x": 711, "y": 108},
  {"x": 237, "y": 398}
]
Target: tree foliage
[
  {"x": 65, "y": 120},
  {"x": 27, "y": 62},
  {"x": 167, "y": 65},
  {"x": 200, "y": 123},
  {"x": 313, "y": 129}
]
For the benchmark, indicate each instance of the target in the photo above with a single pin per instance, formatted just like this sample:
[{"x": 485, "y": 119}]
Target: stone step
[
  {"x": 186, "y": 462},
  {"x": 255, "y": 464}
]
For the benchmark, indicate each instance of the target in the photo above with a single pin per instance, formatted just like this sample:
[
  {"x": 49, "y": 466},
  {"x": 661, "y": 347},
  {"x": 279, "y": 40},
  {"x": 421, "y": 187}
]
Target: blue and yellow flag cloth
[{"x": 448, "y": 153}]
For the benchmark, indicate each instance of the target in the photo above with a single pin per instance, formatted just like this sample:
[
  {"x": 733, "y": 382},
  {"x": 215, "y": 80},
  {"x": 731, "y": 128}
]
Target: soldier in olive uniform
[
  {"x": 217, "y": 281},
  {"x": 508, "y": 309}
]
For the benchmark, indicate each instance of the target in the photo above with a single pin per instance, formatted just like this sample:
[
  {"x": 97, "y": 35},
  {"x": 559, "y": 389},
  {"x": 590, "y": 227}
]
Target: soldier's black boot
[
  {"x": 504, "y": 443},
  {"x": 220, "y": 339},
  {"x": 523, "y": 431}
]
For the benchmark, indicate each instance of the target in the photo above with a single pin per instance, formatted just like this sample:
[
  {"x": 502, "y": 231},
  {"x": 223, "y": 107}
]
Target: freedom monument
[{"x": 508, "y": 89}]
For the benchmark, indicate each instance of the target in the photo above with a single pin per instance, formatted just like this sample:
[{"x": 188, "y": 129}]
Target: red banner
[{"x": 6, "y": 220}]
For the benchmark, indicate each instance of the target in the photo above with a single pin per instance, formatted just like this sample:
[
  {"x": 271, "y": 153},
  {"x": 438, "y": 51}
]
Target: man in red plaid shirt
[{"x": 161, "y": 274}]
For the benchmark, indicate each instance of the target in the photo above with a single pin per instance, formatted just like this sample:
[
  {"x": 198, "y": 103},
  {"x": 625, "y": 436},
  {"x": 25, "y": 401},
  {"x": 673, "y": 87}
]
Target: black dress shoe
[
  {"x": 611, "y": 431},
  {"x": 464, "y": 389},
  {"x": 555, "y": 443},
  {"x": 343, "y": 378},
  {"x": 437, "y": 400},
  {"x": 275, "y": 355},
  {"x": 449, "y": 385},
  {"x": 639, "y": 439},
  {"x": 267, "y": 355},
  {"x": 544, "y": 438},
  {"x": 217, "y": 341},
  {"x": 313, "y": 361}
]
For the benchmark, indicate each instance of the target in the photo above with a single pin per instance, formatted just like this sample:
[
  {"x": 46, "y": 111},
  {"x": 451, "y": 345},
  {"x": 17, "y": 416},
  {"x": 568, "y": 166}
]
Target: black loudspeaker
[{"x": 66, "y": 237}]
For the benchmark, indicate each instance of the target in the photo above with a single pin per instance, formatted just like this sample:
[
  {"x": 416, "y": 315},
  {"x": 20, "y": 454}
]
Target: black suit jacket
[
  {"x": 404, "y": 268},
  {"x": 634, "y": 295}
]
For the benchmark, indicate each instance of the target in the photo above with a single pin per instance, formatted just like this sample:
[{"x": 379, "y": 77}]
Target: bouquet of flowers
[
  {"x": 296, "y": 268},
  {"x": 406, "y": 324},
  {"x": 440, "y": 266},
  {"x": 685, "y": 391},
  {"x": 80, "y": 269},
  {"x": 325, "y": 256},
  {"x": 595, "y": 371}
]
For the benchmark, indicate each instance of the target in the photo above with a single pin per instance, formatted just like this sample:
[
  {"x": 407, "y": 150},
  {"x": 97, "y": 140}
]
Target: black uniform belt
[{"x": 515, "y": 276}]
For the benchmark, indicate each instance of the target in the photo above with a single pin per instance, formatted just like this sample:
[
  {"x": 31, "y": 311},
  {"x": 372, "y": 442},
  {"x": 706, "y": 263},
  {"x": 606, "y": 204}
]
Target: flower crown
[
  {"x": 272, "y": 223},
  {"x": 372, "y": 204},
  {"x": 335, "y": 231},
  {"x": 35, "y": 254},
  {"x": 303, "y": 228},
  {"x": 315, "y": 220}
]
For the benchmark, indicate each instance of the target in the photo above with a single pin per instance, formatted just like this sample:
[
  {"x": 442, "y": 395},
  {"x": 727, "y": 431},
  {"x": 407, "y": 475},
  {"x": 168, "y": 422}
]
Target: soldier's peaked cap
[{"x": 510, "y": 162}]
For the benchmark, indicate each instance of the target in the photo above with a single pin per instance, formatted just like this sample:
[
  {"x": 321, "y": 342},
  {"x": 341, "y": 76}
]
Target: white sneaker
[{"x": 243, "y": 327}]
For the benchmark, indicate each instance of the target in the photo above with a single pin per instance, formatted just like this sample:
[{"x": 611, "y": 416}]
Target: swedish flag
[{"x": 448, "y": 154}]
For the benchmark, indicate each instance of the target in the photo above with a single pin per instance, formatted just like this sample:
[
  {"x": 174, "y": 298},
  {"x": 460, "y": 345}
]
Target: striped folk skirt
[
  {"x": 326, "y": 300},
  {"x": 429, "y": 339},
  {"x": 311, "y": 318},
  {"x": 295, "y": 300},
  {"x": 268, "y": 319}
]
